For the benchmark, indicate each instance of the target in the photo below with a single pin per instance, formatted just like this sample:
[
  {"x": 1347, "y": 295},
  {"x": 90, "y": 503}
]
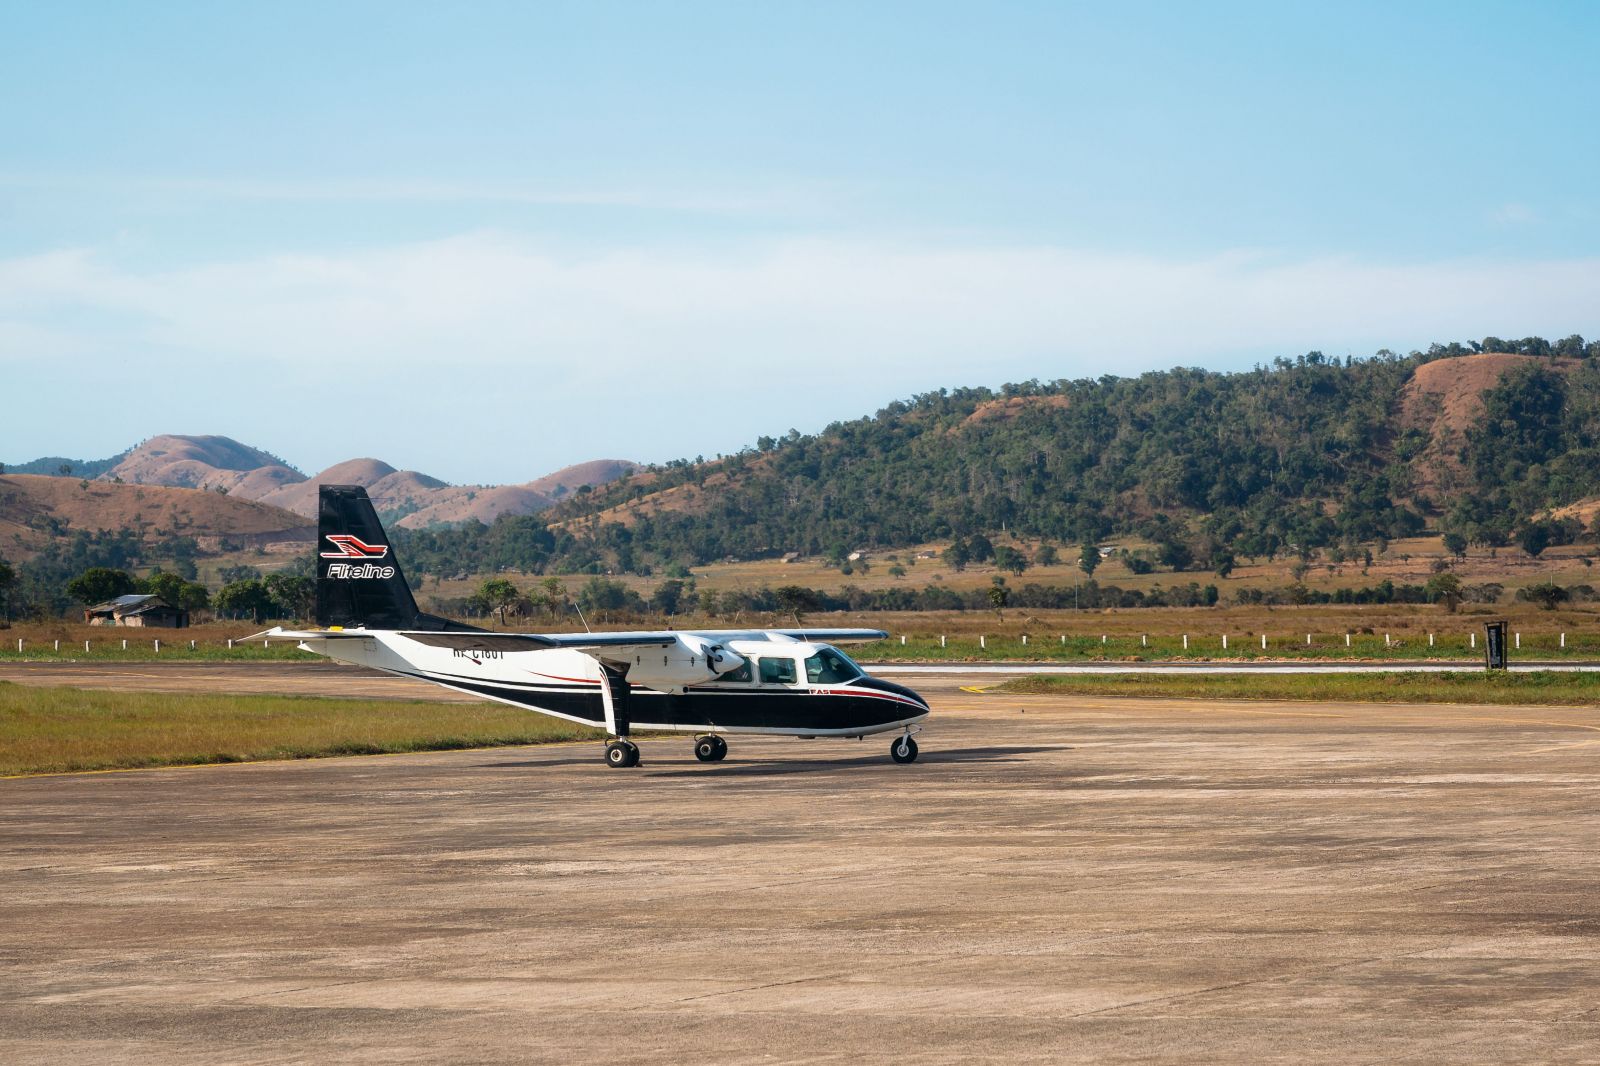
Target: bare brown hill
[
  {"x": 569, "y": 478},
  {"x": 393, "y": 489},
  {"x": 245, "y": 473},
  {"x": 204, "y": 462},
  {"x": 34, "y": 509},
  {"x": 461, "y": 503},
  {"x": 423, "y": 501}
]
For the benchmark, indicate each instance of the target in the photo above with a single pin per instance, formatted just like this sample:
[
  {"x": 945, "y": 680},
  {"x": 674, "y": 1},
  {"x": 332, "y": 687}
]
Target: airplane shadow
[{"x": 780, "y": 767}]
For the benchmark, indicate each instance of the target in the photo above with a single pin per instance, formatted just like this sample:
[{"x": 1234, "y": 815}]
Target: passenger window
[
  {"x": 777, "y": 671},
  {"x": 741, "y": 674}
]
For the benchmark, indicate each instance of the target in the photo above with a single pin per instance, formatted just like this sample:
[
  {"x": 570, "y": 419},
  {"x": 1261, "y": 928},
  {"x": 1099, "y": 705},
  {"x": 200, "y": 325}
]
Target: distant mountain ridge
[{"x": 406, "y": 497}]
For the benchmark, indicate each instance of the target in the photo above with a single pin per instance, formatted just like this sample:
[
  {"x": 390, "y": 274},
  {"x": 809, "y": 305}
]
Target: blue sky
[{"x": 488, "y": 240}]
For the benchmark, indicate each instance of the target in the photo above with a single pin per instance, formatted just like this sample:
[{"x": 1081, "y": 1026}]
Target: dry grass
[
  {"x": 1407, "y": 562},
  {"x": 1146, "y": 633},
  {"x": 54, "y": 730},
  {"x": 1540, "y": 688}
]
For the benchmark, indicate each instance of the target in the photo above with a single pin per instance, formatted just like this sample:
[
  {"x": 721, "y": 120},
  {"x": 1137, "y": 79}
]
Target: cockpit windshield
[{"x": 830, "y": 666}]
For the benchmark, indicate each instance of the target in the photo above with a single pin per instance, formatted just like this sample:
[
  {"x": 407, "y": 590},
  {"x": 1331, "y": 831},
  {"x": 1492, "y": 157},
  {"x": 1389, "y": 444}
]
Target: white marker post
[
  {"x": 1563, "y": 640},
  {"x": 86, "y": 645},
  {"x": 941, "y": 640},
  {"x": 1519, "y": 641},
  {"x": 1224, "y": 642},
  {"x": 158, "y": 647},
  {"x": 1186, "y": 642},
  {"x": 124, "y": 644},
  {"x": 1430, "y": 640},
  {"x": 1308, "y": 640},
  {"x": 1024, "y": 640},
  {"x": 1263, "y": 642},
  {"x": 1144, "y": 641},
  {"x": 1347, "y": 640},
  {"x": 1472, "y": 639},
  {"x": 983, "y": 642}
]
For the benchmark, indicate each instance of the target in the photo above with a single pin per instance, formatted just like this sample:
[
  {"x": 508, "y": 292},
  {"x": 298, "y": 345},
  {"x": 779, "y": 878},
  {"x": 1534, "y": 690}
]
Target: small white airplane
[{"x": 711, "y": 683}]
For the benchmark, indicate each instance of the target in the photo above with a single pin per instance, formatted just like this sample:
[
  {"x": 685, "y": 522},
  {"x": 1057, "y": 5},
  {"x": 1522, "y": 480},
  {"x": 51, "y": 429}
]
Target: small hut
[{"x": 137, "y": 610}]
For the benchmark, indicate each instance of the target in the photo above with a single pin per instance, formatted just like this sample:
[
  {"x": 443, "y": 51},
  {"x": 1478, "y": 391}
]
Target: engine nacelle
[{"x": 692, "y": 660}]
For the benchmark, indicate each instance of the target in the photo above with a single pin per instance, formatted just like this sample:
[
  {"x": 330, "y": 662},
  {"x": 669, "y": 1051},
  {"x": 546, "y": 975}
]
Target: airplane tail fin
[{"x": 359, "y": 583}]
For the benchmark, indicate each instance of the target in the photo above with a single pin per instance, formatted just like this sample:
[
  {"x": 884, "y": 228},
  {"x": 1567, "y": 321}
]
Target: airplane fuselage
[{"x": 774, "y": 694}]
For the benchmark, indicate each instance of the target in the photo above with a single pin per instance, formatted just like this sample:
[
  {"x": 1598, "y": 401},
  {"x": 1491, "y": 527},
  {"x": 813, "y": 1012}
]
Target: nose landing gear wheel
[
  {"x": 622, "y": 753},
  {"x": 903, "y": 750},
  {"x": 710, "y": 748}
]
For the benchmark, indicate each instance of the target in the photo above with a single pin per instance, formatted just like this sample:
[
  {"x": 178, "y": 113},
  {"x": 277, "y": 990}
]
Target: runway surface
[
  {"x": 1083, "y": 880},
  {"x": 988, "y": 671}
]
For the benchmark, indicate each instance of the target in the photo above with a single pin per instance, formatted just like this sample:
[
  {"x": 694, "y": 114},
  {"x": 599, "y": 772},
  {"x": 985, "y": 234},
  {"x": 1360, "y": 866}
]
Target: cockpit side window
[
  {"x": 777, "y": 671},
  {"x": 829, "y": 667},
  {"x": 740, "y": 674}
]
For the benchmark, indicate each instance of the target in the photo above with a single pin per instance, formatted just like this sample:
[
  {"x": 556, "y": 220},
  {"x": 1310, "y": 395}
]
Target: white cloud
[
  {"x": 627, "y": 344},
  {"x": 495, "y": 300}
]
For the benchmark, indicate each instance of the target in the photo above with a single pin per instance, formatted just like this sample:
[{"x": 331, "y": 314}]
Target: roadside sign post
[{"x": 1494, "y": 645}]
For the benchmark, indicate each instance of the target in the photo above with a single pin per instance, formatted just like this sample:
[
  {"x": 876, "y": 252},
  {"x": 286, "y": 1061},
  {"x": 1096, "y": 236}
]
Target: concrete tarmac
[{"x": 1056, "y": 880}]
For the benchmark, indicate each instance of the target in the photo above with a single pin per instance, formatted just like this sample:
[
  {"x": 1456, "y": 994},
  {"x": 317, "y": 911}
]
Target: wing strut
[{"x": 614, "y": 695}]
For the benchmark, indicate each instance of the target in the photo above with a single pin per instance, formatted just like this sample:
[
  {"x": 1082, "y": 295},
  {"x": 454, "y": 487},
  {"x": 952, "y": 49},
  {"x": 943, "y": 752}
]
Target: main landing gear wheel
[
  {"x": 622, "y": 753},
  {"x": 904, "y": 749},
  {"x": 710, "y": 748}
]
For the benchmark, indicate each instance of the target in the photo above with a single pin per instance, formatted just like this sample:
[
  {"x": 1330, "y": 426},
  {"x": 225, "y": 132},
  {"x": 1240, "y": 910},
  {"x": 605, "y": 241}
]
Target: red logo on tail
[{"x": 353, "y": 548}]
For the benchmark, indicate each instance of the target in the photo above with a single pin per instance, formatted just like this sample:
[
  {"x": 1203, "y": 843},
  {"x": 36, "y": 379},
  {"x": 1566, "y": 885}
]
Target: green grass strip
[
  {"x": 65, "y": 730},
  {"x": 1538, "y": 688}
]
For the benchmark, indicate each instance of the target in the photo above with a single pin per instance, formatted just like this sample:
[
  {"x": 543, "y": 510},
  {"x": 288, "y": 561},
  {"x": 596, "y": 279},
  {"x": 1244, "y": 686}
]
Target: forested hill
[{"x": 1481, "y": 439}]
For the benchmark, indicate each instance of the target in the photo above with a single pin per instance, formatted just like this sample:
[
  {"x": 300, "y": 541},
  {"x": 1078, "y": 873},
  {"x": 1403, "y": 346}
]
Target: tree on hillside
[
  {"x": 957, "y": 555},
  {"x": 188, "y": 595},
  {"x": 497, "y": 594},
  {"x": 999, "y": 596},
  {"x": 1088, "y": 559},
  {"x": 1455, "y": 544},
  {"x": 1007, "y": 558},
  {"x": 99, "y": 584},
  {"x": 249, "y": 596},
  {"x": 1176, "y": 554},
  {"x": 795, "y": 599},
  {"x": 295, "y": 595},
  {"x": 1445, "y": 588},
  {"x": 1546, "y": 594},
  {"x": 1534, "y": 538},
  {"x": 1047, "y": 555},
  {"x": 667, "y": 596}
]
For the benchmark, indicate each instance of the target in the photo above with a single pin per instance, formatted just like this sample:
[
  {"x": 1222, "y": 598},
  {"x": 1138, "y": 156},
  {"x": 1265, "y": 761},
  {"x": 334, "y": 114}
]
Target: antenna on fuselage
[{"x": 581, "y": 618}]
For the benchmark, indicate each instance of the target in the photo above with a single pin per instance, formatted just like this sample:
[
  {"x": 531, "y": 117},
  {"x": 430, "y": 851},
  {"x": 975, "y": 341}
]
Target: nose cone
[{"x": 889, "y": 686}]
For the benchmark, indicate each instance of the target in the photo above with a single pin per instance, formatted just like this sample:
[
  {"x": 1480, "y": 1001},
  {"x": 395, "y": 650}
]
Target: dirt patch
[
  {"x": 1011, "y": 407},
  {"x": 1442, "y": 399}
]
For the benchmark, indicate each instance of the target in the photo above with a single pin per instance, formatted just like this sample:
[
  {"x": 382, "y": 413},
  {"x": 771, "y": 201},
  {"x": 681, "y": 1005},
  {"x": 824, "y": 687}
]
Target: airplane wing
[
  {"x": 480, "y": 641},
  {"x": 535, "y": 641},
  {"x": 602, "y": 642},
  {"x": 830, "y": 636},
  {"x": 585, "y": 642}
]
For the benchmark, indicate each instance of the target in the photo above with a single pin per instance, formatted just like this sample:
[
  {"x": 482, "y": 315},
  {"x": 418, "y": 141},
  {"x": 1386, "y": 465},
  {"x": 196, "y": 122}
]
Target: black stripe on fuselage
[{"x": 799, "y": 710}]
